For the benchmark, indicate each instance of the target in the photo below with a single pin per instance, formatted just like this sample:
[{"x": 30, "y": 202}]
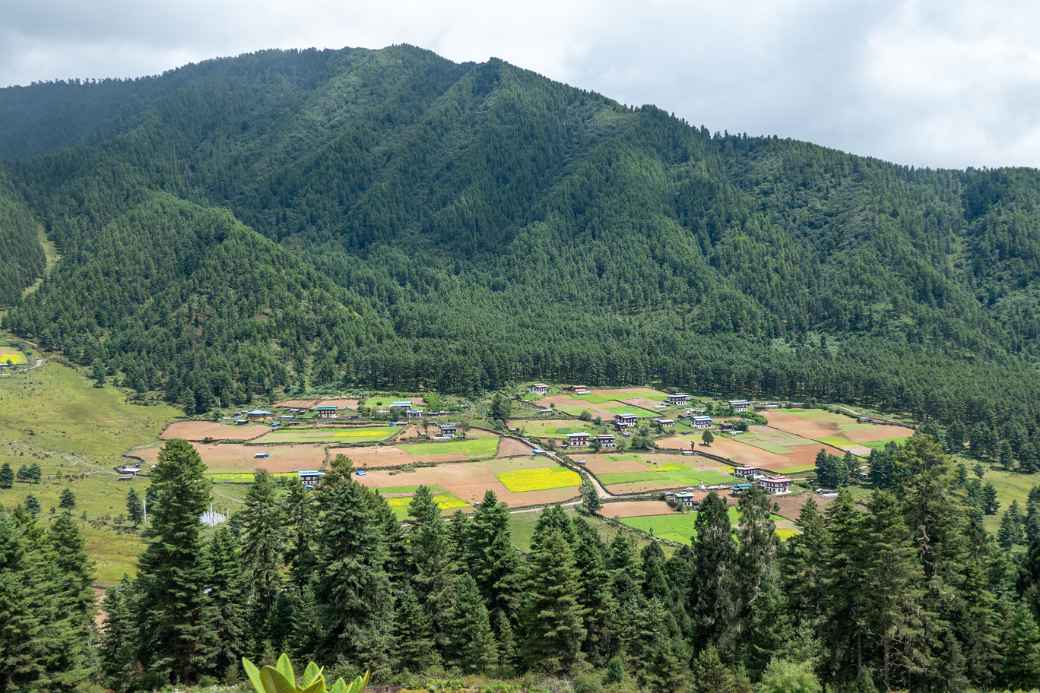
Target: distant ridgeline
[{"x": 393, "y": 219}]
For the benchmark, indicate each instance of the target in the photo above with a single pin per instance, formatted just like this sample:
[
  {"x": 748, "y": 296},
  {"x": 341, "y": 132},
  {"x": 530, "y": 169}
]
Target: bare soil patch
[
  {"x": 511, "y": 447},
  {"x": 212, "y": 430},
  {"x": 296, "y": 403},
  {"x": 339, "y": 403},
  {"x": 635, "y": 509},
  {"x": 791, "y": 506},
  {"x": 469, "y": 481},
  {"x": 233, "y": 457}
]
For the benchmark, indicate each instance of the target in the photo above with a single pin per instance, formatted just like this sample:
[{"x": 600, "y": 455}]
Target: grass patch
[
  {"x": 471, "y": 448},
  {"x": 244, "y": 477},
  {"x": 552, "y": 429},
  {"x": 522, "y": 524},
  {"x": 365, "y": 434},
  {"x": 629, "y": 393},
  {"x": 538, "y": 479},
  {"x": 77, "y": 433},
  {"x": 673, "y": 474},
  {"x": 678, "y": 527}
]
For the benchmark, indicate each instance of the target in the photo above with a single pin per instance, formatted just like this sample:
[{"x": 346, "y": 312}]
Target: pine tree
[
  {"x": 301, "y": 520},
  {"x": 553, "y": 617},
  {"x": 74, "y": 596},
  {"x": 594, "y": 593},
  {"x": 175, "y": 637},
  {"x": 226, "y": 584},
  {"x": 1012, "y": 527},
  {"x": 32, "y": 504},
  {"x": 353, "y": 593},
  {"x": 657, "y": 659},
  {"x": 893, "y": 594},
  {"x": 119, "y": 638},
  {"x": 1020, "y": 646},
  {"x": 134, "y": 511},
  {"x": 782, "y": 676},
  {"x": 67, "y": 501},
  {"x": 415, "y": 649},
  {"x": 711, "y": 596},
  {"x": 491, "y": 558},
  {"x": 710, "y": 675},
  {"x": 6, "y": 476},
  {"x": 590, "y": 501},
  {"x": 469, "y": 643},
  {"x": 21, "y": 624},
  {"x": 843, "y": 620},
  {"x": 802, "y": 561},
  {"x": 263, "y": 539}
]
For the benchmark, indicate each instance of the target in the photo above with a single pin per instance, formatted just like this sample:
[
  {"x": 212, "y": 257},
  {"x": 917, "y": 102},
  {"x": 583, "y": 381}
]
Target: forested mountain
[
  {"x": 479, "y": 223},
  {"x": 23, "y": 259}
]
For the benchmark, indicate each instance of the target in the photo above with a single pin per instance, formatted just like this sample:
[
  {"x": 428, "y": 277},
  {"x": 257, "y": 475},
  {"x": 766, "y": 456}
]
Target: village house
[
  {"x": 413, "y": 413},
  {"x": 577, "y": 440},
  {"x": 740, "y": 405},
  {"x": 326, "y": 411},
  {"x": 624, "y": 420},
  {"x": 678, "y": 399},
  {"x": 775, "y": 485},
  {"x": 258, "y": 414},
  {"x": 538, "y": 388},
  {"x": 448, "y": 429},
  {"x": 681, "y": 499},
  {"x": 749, "y": 473},
  {"x": 581, "y": 390},
  {"x": 129, "y": 469},
  {"x": 701, "y": 421},
  {"x": 606, "y": 441},
  {"x": 664, "y": 422},
  {"x": 310, "y": 478}
]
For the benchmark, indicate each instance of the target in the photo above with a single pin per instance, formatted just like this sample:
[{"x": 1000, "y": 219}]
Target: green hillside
[{"x": 461, "y": 226}]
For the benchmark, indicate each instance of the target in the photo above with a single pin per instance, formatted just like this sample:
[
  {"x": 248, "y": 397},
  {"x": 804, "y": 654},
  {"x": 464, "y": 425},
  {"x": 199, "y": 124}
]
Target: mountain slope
[
  {"x": 491, "y": 224},
  {"x": 23, "y": 257}
]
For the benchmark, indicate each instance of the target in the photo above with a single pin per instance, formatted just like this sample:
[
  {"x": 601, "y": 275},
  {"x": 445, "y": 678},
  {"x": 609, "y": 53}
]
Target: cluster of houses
[{"x": 775, "y": 485}]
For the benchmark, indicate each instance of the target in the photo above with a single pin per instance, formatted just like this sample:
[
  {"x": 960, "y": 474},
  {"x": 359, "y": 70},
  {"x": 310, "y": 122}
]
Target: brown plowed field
[
  {"x": 635, "y": 509},
  {"x": 296, "y": 403},
  {"x": 821, "y": 425},
  {"x": 390, "y": 456},
  {"x": 510, "y": 447},
  {"x": 469, "y": 481},
  {"x": 241, "y": 458},
  {"x": 340, "y": 403},
  {"x": 790, "y": 506},
  {"x": 212, "y": 430},
  {"x": 795, "y": 459}
]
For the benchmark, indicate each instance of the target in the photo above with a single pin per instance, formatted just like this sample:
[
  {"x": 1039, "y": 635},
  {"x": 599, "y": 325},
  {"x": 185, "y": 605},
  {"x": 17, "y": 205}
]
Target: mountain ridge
[{"x": 492, "y": 224}]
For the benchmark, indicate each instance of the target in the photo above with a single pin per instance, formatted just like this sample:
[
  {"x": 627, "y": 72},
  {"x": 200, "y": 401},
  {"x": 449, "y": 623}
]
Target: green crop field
[
  {"x": 328, "y": 434},
  {"x": 472, "y": 448},
  {"x": 538, "y": 479},
  {"x": 678, "y": 527},
  {"x": 772, "y": 440},
  {"x": 597, "y": 397},
  {"x": 675, "y": 474},
  {"x": 552, "y": 429},
  {"x": 9, "y": 356},
  {"x": 244, "y": 477}
]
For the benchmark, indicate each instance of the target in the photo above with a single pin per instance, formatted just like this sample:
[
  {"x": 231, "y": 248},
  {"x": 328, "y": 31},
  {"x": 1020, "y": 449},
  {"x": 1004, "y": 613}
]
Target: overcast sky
[{"x": 943, "y": 83}]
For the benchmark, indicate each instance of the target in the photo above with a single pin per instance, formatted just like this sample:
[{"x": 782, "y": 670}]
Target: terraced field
[
  {"x": 634, "y": 472},
  {"x": 328, "y": 434}
]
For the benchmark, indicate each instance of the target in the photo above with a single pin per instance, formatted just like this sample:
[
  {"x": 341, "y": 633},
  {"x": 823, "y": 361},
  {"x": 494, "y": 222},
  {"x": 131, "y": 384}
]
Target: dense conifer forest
[
  {"x": 900, "y": 589},
  {"x": 395, "y": 220}
]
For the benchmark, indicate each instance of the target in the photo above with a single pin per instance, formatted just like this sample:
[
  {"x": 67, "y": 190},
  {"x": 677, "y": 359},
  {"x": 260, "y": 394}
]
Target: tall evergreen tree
[
  {"x": 301, "y": 522},
  {"x": 6, "y": 476},
  {"x": 415, "y": 649},
  {"x": 263, "y": 540},
  {"x": 134, "y": 510},
  {"x": 228, "y": 592},
  {"x": 119, "y": 637},
  {"x": 491, "y": 557},
  {"x": 711, "y": 595},
  {"x": 553, "y": 617},
  {"x": 469, "y": 642},
  {"x": 173, "y": 607},
  {"x": 353, "y": 594}
]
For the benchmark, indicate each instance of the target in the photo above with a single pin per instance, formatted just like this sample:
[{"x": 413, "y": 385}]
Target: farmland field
[
  {"x": 522, "y": 524},
  {"x": 468, "y": 449},
  {"x": 384, "y": 400},
  {"x": 400, "y": 497},
  {"x": 469, "y": 481},
  {"x": 635, "y": 508},
  {"x": 632, "y": 472},
  {"x": 793, "y": 460},
  {"x": 329, "y": 434},
  {"x": 540, "y": 479},
  {"x": 212, "y": 430},
  {"x": 11, "y": 356},
  {"x": 576, "y": 404},
  {"x": 679, "y": 527},
  {"x": 236, "y": 457},
  {"x": 837, "y": 430},
  {"x": 623, "y": 394},
  {"x": 551, "y": 428}
]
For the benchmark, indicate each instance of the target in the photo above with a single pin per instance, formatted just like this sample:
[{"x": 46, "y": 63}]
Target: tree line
[{"x": 902, "y": 588}]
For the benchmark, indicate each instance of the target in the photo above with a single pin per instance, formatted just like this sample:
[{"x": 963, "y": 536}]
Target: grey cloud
[{"x": 933, "y": 83}]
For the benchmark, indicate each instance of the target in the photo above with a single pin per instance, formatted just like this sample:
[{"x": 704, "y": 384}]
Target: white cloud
[{"x": 926, "y": 83}]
